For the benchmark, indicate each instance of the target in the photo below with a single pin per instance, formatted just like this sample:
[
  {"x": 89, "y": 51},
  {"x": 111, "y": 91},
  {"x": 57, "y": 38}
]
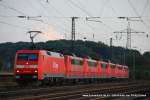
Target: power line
[
  {"x": 32, "y": 5},
  {"x": 60, "y": 13},
  {"x": 11, "y": 8},
  {"x": 102, "y": 9},
  {"x": 146, "y": 5},
  {"x": 89, "y": 15},
  {"x": 16, "y": 26},
  {"x": 49, "y": 16},
  {"x": 129, "y": 31},
  {"x": 86, "y": 12},
  {"x": 72, "y": 7},
  {"x": 76, "y": 5},
  {"x": 112, "y": 8},
  {"x": 138, "y": 14}
]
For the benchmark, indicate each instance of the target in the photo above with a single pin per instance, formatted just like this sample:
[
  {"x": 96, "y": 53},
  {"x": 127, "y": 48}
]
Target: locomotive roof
[
  {"x": 74, "y": 57},
  {"x": 28, "y": 51},
  {"x": 103, "y": 62},
  {"x": 92, "y": 60},
  {"x": 56, "y": 54},
  {"x": 53, "y": 54}
]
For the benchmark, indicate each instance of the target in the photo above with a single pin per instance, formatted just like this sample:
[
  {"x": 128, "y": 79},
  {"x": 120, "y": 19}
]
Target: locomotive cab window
[
  {"x": 104, "y": 65},
  {"x": 76, "y": 62},
  {"x": 27, "y": 57},
  {"x": 92, "y": 64}
]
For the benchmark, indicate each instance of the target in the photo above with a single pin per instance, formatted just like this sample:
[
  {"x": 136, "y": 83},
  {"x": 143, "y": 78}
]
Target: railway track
[
  {"x": 7, "y": 81},
  {"x": 6, "y": 77},
  {"x": 79, "y": 92}
]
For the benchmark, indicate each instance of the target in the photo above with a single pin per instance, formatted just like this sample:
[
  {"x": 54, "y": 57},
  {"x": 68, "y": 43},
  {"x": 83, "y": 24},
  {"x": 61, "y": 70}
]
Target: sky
[{"x": 53, "y": 19}]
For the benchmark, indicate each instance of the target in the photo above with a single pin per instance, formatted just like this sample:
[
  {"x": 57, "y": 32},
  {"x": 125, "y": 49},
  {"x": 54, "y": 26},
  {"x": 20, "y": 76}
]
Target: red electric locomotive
[
  {"x": 38, "y": 65},
  {"x": 42, "y": 65}
]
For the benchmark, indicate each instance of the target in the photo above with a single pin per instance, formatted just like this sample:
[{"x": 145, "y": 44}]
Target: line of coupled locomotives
[{"x": 52, "y": 67}]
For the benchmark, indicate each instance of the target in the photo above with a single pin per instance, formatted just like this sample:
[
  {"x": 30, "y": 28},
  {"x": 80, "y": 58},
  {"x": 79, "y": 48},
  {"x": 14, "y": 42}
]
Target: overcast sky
[{"x": 55, "y": 20}]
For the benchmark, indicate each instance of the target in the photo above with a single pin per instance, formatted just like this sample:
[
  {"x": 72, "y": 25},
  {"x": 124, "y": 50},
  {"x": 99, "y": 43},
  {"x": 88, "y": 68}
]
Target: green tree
[{"x": 1, "y": 64}]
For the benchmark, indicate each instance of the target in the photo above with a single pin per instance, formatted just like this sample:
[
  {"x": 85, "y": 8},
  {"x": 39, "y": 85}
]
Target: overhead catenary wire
[
  {"x": 63, "y": 15},
  {"x": 47, "y": 11},
  {"x": 83, "y": 10},
  {"x": 132, "y": 6},
  {"x": 13, "y": 25},
  {"x": 102, "y": 8},
  {"x": 73, "y": 9},
  {"x": 76, "y": 5},
  {"x": 59, "y": 12},
  {"x": 11, "y": 8},
  {"x": 112, "y": 8},
  {"x": 146, "y": 5},
  {"x": 89, "y": 15}
]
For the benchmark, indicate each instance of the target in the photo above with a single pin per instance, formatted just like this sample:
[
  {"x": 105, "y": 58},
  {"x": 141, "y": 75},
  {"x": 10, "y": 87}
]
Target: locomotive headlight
[
  {"x": 35, "y": 71},
  {"x": 17, "y": 71}
]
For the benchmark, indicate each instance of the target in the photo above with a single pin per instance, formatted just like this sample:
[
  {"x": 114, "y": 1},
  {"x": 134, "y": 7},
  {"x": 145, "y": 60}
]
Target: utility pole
[
  {"x": 111, "y": 42},
  {"x": 111, "y": 52},
  {"x": 73, "y": 32},
  {"x": 73, "y": 28},
  {"x": 33, "y": 34},
  {"x": 129, "y": 31}
]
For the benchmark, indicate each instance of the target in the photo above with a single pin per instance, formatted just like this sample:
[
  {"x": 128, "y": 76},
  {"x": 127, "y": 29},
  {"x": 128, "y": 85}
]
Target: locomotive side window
[
  {"x": 92, "y": 64},
  {"x": 76, "y": 62},
  {"x": 112, "y": 66},
  {"x": 104, "y": 65},
  {"x": 120, "y": 67},
  {"x": 27, "y": 57}
]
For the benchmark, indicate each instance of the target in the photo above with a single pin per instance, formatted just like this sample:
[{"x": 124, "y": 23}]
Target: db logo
[{"x": 55, "y": 65}]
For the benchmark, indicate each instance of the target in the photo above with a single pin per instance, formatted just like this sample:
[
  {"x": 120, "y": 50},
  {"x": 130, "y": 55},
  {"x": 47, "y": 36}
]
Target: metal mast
[
  {"x": 129, "y": 31},
  {"x": 73, "y": 28}
]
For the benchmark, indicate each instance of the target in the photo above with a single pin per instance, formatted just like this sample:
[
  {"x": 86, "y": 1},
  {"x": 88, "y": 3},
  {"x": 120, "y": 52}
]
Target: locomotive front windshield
[{"x": 27, "y": 57}]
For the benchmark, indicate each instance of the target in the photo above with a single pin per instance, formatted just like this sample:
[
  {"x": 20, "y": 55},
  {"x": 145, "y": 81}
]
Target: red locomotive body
[
  {"x": 92, "y": 66},
  {"x": 112, "y": 70},
  {"x": 104, "y": 69},
  {"x": 40, "y": 65},
  {"x": 51, "y": 64},
  {"x": 74, "y": 67},
  {"x": 26, "y": 64}
]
